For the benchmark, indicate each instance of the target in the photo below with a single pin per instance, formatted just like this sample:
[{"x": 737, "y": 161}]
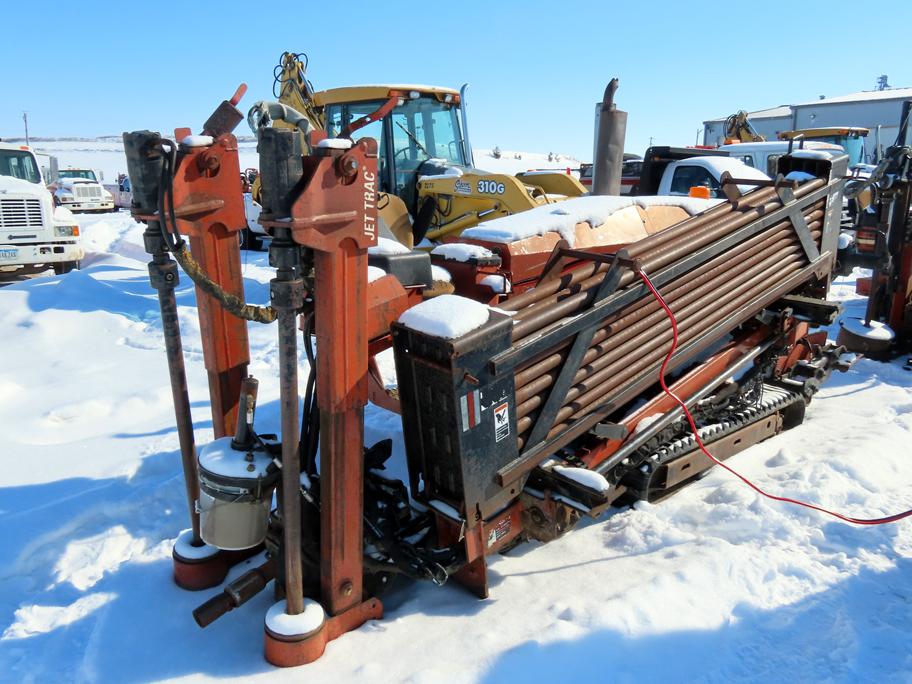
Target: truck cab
[
  {"x": 33, "y": 232},
  {"x": 675, "y": 170},
  {"x": 81, "y": 190},
  {"x": 849, "y": 138},
  {"x": 765, "y": 155}
]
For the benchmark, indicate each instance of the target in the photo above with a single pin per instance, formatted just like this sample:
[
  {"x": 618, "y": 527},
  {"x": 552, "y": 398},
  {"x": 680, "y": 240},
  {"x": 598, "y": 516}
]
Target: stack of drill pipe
[
  {"x": 700, "y": 230},
  {"x": 572, "y": 279},
  {"x": 636, "y": 338}
]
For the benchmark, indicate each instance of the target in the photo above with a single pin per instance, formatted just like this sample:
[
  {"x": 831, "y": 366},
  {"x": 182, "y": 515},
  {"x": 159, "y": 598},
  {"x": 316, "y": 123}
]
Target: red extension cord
[{"x": 693, "y": 426}]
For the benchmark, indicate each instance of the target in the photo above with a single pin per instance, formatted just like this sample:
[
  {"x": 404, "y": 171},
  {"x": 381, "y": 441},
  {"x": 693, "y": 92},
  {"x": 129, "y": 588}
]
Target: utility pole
[{"x": 25, "y": 120}]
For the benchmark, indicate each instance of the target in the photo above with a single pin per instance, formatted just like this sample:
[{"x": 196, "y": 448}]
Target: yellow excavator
[
  {"x": 738, "y": 128},
  {"x": 430, "y": 188}
]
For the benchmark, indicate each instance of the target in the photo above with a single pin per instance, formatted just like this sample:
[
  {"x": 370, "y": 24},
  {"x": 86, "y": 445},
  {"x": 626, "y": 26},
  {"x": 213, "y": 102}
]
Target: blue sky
[{"x": 535, "y": 68}]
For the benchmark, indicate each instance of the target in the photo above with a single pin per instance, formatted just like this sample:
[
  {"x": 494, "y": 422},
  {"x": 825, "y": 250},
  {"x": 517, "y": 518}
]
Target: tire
[
  {"x": 250, "y": 240},
  {"x": 64, "y": 267}
]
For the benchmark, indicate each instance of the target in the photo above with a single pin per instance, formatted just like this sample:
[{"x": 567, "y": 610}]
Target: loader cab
[
  {"x": 850, "y": 138},
  {"x": 421, "y": 136}
]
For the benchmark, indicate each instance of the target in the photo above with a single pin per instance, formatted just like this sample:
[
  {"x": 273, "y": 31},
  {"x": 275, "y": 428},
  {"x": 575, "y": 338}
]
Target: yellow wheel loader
[{"x": 429, "y": 187}]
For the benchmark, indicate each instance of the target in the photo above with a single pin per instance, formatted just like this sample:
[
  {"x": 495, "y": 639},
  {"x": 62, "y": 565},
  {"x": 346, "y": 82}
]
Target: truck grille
[
  {"x": 88, "y": 192},
  {"x": 20, "y": 213}
]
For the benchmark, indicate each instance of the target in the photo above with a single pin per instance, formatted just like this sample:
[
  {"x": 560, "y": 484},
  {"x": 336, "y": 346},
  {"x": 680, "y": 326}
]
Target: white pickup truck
[
  {"x": 80, "y": 190},
  {"x": 33, "y": 232},
  {"x": 675, "y": 170},
  {"x": 121, "y": 191}
]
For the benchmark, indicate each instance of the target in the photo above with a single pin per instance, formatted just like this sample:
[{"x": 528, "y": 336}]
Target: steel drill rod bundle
[
  {"x": 693, "y": 320},
  {"x": 726, "y": 211},
  {"x": 625, "y": 319},
  {"x": 620, "y": 369},
  {"x": 531, "y": 319},
  {"x": 567, "y": 280},
  {"x": 782, "y": 264},
  {"x": 585, "y": 403},
  {"x": 536, "y": 378}
]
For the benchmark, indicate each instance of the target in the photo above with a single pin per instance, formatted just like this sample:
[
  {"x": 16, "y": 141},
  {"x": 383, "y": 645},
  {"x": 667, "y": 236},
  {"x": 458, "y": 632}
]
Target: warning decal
[
  {"x": 499, "y": 531},
  {"x": 501, "y": 421}
]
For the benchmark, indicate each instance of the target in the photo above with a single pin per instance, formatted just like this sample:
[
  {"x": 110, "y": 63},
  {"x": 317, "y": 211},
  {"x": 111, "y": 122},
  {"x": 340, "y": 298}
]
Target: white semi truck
[
  {"x": 81, "y": 190},
  {"x": 33, "y": 232}
]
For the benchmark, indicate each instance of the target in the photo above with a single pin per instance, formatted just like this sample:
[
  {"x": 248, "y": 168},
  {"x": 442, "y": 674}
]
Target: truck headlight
[{"x": 66, "y": 231}]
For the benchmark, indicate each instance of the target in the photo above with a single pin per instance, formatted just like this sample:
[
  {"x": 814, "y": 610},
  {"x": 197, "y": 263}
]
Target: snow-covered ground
[
  {"x": 713, "y": 585},
  {"x": 106, "y": 155}
]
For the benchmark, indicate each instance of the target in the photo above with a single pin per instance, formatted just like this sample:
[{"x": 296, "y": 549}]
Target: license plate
[{"x": 8, "y": 254}]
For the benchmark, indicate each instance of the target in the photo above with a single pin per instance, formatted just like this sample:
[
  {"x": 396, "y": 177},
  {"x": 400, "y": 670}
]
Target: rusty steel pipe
[
  {"x": 638, "y": 310},
  {"x": 587, "y": 403},
  {"x": 177, "y": 374},
  {"x": 536, "y": 378},
  {"x": 647, "y": 345},
  {"x": 645, "y": 339},
  {"x": 291, "y": 464},
  {"x": 526, "y": 325},
  {"x": 632, "y": 312},
  {"x": 287, "y": 298},
  {"x": 750, "y": 202},
  {"x": 580, "y": 405},
  {"x": 772, "y": 274},
  {"x": 539, "y": 312},
  {"x": 742, "y": 288},
  {"x": 708, "y": 234},
  {"x": 692, "y": 278},
  {"x": 540, "y": 291}
]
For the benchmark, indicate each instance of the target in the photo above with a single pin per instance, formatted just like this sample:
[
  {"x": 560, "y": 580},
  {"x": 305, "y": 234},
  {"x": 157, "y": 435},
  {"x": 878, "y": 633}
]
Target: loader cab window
[
  {"x": 338, "y": 116},
  {"x": 687, "y": 177},
  {"x": 420, "y": 129},
  {"x": 19, "y": 164},
  {"x": 425, "y": 128},
  {"x": 417, "y": 130}
]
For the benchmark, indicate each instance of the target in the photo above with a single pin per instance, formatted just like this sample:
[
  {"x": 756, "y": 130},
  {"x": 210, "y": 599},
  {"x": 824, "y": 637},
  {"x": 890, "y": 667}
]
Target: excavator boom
[{"x": 738, "y": 128}]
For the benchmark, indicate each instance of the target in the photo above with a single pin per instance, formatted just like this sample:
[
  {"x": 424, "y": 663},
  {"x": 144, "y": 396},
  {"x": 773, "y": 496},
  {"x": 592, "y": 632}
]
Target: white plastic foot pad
[
  {"x": 184, "y": 548},
  {"x": 280, "y": 623}
]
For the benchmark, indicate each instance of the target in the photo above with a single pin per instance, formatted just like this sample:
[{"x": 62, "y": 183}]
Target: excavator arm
[
  {"x": 738, "y": 128},
  {"x": 292, "y": 88}
]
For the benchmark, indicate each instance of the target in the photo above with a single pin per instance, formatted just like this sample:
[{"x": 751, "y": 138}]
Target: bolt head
[{"x": 349, "y": 165}]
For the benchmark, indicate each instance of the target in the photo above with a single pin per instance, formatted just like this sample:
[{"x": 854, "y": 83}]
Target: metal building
[{"x": 877, "y": 110}]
